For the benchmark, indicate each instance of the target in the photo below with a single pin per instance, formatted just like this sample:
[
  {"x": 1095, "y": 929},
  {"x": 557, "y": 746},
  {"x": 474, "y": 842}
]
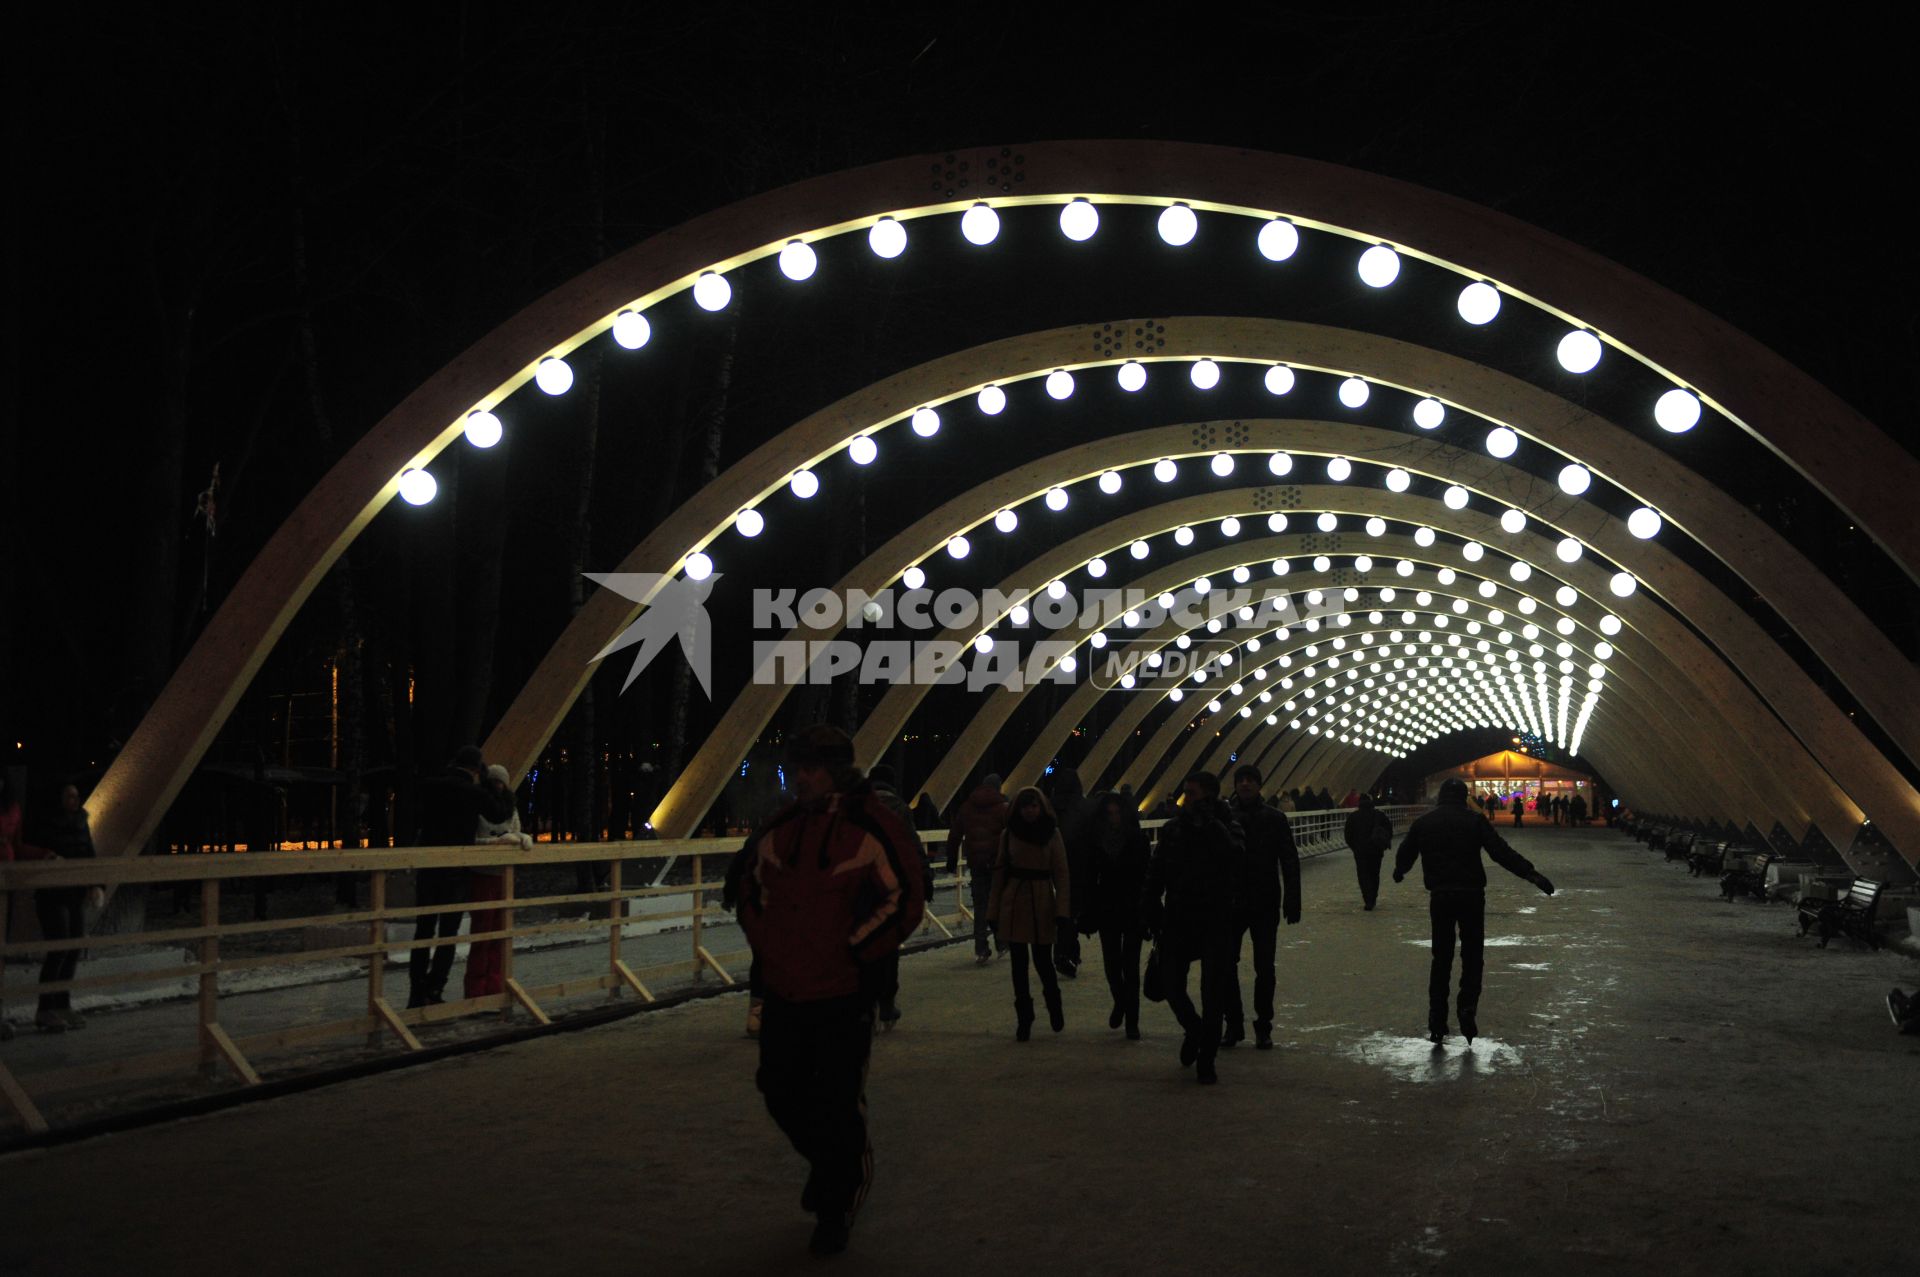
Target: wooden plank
[
  {"x": 391, "y": 1018},
  {"x": 377, "y": 960},
  {"x": 230, "y": 1053},
  {"x": 707, "y": 959},
  {"x": 280, "y": 1039},
  {"x": 21, "y": 1103},
  {"x": 209, "y": 999},
  {"x": 525, "y": 999},
  {"x": 152, "y": 1064},
  {"x": 625, "y": 972},
  {"x": 573, "y": 988}
]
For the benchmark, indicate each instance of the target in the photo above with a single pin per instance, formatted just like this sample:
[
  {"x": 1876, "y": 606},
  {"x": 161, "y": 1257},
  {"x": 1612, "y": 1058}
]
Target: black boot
[
  {"x": 1262, "y": 1036},
  {"x": 1133, "y": 1025},
  {"x": 1235, "y": 1034},
  {"x": 1114, "y": 1019},
  {"x": 1022, "y": 1019},
  {"x": 1469, "y": 1023},
  {"x": 1056, "y": 1014}
]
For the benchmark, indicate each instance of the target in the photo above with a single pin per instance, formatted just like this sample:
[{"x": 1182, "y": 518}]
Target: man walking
[
  {"x": 829, "y": 892},
  {"x": 978, "y": 823},
  {"x": 1369, "y": 833},
  {"x": 1266, "y": 882},
  {"x": 1447, "y": 842},
  {"x": 886, "y": 786},
  {"x": 1188, "y": 904}
]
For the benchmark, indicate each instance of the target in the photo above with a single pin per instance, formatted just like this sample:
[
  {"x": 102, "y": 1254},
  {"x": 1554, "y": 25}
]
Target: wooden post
[
  {"x": 21, "y": 1104},
  {"x": 616, "y": 910},
  {"x": 698, "y": 896},
  {"x": 377, "y": 960},
  {"x": 506, "y": 948},
  {"x": 215, "y": 1045},
  {"x": 209, "y": 979}
]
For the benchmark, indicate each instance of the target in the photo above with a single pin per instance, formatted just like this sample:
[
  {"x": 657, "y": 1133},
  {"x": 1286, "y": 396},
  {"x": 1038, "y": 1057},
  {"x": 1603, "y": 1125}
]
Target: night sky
[{"x": 242, "y": 237}]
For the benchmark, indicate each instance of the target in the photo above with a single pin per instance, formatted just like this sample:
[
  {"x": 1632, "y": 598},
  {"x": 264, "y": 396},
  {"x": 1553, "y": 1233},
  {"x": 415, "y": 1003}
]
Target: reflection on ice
[{"x": 1418, "y": 1060}]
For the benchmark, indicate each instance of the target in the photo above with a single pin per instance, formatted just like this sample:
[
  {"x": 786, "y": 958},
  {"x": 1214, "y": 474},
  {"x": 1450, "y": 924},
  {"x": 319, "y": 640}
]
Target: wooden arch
[{"x": 1857, "y": 466}]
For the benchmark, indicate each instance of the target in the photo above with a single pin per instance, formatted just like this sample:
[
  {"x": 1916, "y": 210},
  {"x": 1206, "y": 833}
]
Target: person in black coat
[
  {"x": 1074, "y": 812},
  {"x": 1447, "y": 842},
  {"x": 1188, "y": 903},
  {"x": 451, "y": 805},
  {"x": 1109, "y": 901},
  {"x": 1369, "y": 833},
  {"x": 1266, "y": 882}
]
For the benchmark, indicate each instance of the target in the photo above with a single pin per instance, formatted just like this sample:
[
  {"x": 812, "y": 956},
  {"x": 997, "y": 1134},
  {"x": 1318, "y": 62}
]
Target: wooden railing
[{"x": 381, "y": 1021}]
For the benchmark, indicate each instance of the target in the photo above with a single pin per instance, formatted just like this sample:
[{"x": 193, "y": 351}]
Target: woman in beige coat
[{"x": 1029, "y": 901}]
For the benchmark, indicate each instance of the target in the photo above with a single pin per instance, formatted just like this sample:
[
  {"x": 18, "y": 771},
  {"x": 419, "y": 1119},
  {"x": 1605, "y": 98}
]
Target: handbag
[{"x": 1153, "y": 984}]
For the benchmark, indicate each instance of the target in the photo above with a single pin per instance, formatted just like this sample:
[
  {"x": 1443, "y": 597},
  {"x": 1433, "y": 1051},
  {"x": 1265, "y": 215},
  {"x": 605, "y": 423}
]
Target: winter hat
[{"x": 498, "y": 772}]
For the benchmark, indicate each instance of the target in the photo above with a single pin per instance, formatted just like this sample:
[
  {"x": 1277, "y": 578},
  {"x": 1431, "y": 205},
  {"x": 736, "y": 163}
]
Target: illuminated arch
[{"x": 1841, "y": 454}]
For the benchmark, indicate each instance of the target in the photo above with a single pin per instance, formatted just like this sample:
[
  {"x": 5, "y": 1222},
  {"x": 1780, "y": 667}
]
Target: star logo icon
[{"x": 672, "y": 607}]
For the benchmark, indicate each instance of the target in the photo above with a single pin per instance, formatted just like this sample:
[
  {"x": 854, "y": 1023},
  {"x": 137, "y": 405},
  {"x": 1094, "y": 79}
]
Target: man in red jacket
[{"x": 830, "y": 890}]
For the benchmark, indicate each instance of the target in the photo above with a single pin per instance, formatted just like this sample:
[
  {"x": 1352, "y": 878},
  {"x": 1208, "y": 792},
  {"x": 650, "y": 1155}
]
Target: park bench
[
  {"x": 1708, "y": 859},
  {"x": 1851, "y": 915},
  {"x": 1679, "y": 846},
  {"x": 1747, "y": 880}
]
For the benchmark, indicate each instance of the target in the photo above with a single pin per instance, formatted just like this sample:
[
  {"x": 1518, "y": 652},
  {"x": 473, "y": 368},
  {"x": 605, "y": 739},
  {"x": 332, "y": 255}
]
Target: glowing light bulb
[
  {"x": 888, "y": 238},
  {"x": 991, "y": 400},
  {"x": 1376, "y": 526},
  {"x": 1059, "y": 383},
  {"x": 1280, "y": 463},
  {"x": 958, "y": 546},
  {"x": 417, "y": 487},
  {"x": 863, "y": 450},
  {"x": 1230, "y": 527},
  {"x": 1579, "y": 351},
  {"x": 798, "y": 260},
  {"x": 1423, "y": 537},
  {"x": 980, "y": 224},
  {"x": 1327, "y": 522},
  {"x": 553, "y": 375},
  {"x": 1623, "y": 584},
  {"x": 1278, "y": 240},
  {"x": 1138, "y": 549},
  {"x": 1429, "y": 413},
  {"x": 1677, "y": 411},
  {"x": 1502, "y": 442},
  {"x": 1472, "y": 551},
  {"x": 804, "y": 484},
  {"x": 1165, "y": 470},
  {"x": 983, "y": 644},
  {"x": 1575, "y": 479},
  {"x": 1222, "y": 464},
  {"x": 1569, "y": 550},
  {"x": 1132, "y": 376},
  {"x": 1609, "y": 625},
  {"x": 749, "y": 523},
  {"x": 1079, "y": 219},
  {"x": 1205, "y": 374},
  {"x": 482, "y": 428},
  {"x": 1479, "y": 302},
  {"x": 1183, "y": 536},
  {"x": 1379, "y": 266},
  {"x": 1455, "y": 497},
  {"x": 631, "y": 329},
  {"x": 1056, "y": 499},
  {"x": 926, "y": 423},
  {"x": 712, "y": 291},
  {"x": 913, "y": 578},
  {"x": 699, "y": 566},
  {"x": 1006, "y": 521},
  {"x": 1178, "y": 225},
  {"x": 1276, "y": 523},
  {"x": 1339, "y": 469},
  {"x": 1353, "y": 392},
  {"x": 1644, "y": 523},
  {"x": 1096, "y": 568},
  {"x": 1110, "y": 482},
  {"x": 1513, "y": 521},
  {"x": 1279, "y": 379},
  {"x": 1566, "y": 596}
]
